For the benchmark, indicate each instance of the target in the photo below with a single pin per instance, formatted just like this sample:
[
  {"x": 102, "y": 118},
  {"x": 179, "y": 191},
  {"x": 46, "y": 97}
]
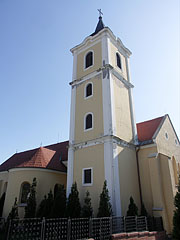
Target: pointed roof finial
[
  {"x": 100, "y": 13},
  {"x": 100, "y": 24}
]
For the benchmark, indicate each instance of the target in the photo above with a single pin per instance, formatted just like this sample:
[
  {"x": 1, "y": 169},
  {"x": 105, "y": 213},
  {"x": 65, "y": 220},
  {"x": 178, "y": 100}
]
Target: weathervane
[{"x": 100, "y": 13}]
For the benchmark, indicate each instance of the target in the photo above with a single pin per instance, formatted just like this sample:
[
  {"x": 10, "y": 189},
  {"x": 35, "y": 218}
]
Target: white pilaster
[
  {"x": 72, "y": 130},
  {"x": 133, "y": 120},
  {"x": 70, "y": 170},
  {"x": 108, "y": 168},
  {"x": 117, "y": 195},
  {"x": 72, "y": 115}
]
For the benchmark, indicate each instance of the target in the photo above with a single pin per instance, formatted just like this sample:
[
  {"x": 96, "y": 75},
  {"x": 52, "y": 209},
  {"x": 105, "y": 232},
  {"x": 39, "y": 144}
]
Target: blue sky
[{"x": 36, "y": 64}]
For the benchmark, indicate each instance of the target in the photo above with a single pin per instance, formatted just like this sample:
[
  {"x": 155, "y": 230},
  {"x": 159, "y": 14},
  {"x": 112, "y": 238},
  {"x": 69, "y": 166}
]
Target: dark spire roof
[{"x": 99, "y": 26}]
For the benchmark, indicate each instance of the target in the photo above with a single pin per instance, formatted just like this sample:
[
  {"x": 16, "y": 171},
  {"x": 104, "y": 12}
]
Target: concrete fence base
[{"x": 140, "y": 236}]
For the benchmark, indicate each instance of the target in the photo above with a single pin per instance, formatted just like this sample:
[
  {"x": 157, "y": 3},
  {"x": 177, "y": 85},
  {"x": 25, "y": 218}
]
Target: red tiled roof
[
  {"x": 146, "y": 130},
  {"x": 49, "y": 157}
]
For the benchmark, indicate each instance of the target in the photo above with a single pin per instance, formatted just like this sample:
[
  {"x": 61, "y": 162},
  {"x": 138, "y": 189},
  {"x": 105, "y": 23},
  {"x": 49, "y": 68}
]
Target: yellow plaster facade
[
  {"x": 92, "y": 104},
  {"x": 97, "y": 58},
  {"x": 46, "y": 180},
  {"x": 90, "y": 157}
]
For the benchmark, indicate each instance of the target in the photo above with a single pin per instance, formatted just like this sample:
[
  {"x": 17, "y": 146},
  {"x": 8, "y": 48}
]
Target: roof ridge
[{"x": 151, "y": 119}]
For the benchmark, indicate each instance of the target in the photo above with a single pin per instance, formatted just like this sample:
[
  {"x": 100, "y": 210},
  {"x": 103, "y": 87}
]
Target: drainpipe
[{"x": 139, "y": 180}]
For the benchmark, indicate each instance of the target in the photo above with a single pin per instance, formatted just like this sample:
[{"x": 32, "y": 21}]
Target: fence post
[
  {"x": 146, "y": 223},
  {"x": 9, "y": 228},
  {"x": 100, "y": 228},
  {"x": 124, "y": 224},
  {"x": 69, "y": 229},
  {"x": 136, "y": 223},
  {"x": 110, "y": 219},
  {"x": 43, "y": 228},
  {"x": 90, "y": 227}
]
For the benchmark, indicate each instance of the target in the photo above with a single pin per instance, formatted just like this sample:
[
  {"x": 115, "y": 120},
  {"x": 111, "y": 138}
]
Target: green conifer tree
[
  {"x": 14, "y": 211},
  {"x": 132, "y": 209},
  {"x": 59, "y": 205},
  {"x": 176, "y": 217},
  {"x": 87, "y": 209},
  {"x": 48, "y": 205},
  {"x": 30, "y": 209},
  {"x": 144, "y": 211},
  {"x": 2, "y": 203},
  {"x": 41, "y": 208},
  {"x": 105, "y": 209},
  {"x": 73, "y": 203}
]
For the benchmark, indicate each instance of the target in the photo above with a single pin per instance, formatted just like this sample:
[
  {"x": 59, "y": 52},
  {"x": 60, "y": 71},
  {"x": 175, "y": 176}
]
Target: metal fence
[{"x": 79, "y": 228}]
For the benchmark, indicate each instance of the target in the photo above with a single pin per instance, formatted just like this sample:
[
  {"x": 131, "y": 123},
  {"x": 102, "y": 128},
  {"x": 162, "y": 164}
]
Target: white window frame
[
  {"x": 85, "y": 59},
  {"x": 85, "y": 90},
  {"x": 120, "y": 69},
  {"x": 83, "y": 171},
  {"x": 85, "y": 130}
]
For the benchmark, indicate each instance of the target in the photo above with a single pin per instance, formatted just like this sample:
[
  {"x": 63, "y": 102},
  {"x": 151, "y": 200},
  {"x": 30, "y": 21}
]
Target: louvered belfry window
[
  {"x": 89, "y": 90},
  {"x": 89, "y": 60},
  {"x": 118, "y": 60},
  {"x": 88, "y": 121}
]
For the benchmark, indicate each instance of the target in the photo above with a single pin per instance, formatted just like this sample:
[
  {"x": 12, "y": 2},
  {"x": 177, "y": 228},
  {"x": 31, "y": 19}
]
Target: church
[{"x": 141, "y": 160}]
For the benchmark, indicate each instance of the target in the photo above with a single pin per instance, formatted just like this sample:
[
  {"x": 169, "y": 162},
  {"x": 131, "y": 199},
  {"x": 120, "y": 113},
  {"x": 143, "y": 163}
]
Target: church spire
[{"x": 100, "y": 24}]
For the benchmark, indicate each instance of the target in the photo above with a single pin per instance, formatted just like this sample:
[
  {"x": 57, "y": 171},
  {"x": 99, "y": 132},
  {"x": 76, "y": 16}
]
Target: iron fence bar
[
  {"x": 69, "y": 229},
  {"x": 136, "y": 223},
  {"x": 124, "y": 224},
  {"x": 43, "y": 229},
  {"x": 100, "y": 227},
  {"x": 90, "y": 227},
  {"x": 110, "y": 225},
  {"x": 146, "y": 223}
]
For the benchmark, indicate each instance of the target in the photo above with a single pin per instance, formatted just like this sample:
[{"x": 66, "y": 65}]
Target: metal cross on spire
[{"x": 100, "y": 13}]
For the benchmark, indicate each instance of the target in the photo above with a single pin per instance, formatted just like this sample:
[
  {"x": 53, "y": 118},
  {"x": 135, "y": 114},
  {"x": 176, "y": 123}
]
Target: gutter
[{"x": 139, "y": 180}]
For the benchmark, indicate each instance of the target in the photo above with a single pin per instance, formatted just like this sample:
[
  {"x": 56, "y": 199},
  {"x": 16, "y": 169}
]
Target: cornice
[
  {"x": 102, "y": 140},
  {"x": 104, "y": 69}
]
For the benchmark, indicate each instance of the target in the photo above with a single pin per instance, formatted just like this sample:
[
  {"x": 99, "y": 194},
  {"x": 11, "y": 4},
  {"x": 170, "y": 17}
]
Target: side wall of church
[
  {"x": 128, "y": 178},
  {"x": 90, "y": 157},
  {"x": 144, "y": 170},
  {"x": 158, "y": 184},
  {"x": 168, "y": 146},
  {"x": 3, "y": 182},
  {"x": 46, "y": 180}
]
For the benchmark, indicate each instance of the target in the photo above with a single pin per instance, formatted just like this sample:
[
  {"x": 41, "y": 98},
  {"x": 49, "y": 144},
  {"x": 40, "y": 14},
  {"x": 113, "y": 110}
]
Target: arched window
[
  {"x": 88, "y": 121},
  {"x": 89, "y": 59},
  {"x": 25, "y": 189},
  {"x": 118, "y": 60},
  {"x": 88, "y": 90}
]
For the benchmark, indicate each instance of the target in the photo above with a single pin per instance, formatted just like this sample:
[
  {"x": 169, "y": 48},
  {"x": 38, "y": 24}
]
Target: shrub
[
  {"x": 73, "y": 203},
  {"x": 30, "y": 209},
  {"x": 105, "y": 209},
  {"x": 14, "y": 211},
  {"x": 132, "y": 209},
  {"x": 59, "y": 205},
  {"x": 176, "y": 217},
  {"x": 87, "y": 209}
]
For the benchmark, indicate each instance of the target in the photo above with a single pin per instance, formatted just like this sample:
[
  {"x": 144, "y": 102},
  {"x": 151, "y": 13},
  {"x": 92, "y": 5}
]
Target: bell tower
[{"x": 102, "y": 126}]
